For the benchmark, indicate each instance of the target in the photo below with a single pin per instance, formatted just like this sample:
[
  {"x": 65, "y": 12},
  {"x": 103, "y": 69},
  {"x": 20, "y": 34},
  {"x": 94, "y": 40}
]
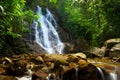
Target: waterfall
[
  {"x": 112, "y": 75},
  {"x": 76, "y": 73},
  {"x": 101, "y": 73},
  {"x": 46, "y": 35}
]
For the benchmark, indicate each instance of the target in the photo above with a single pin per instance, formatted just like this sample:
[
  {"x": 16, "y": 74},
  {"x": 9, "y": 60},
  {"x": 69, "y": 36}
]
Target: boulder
[
  {"x": 110, "y": 71},
  {"x": 39, "y": 75},
  {"x": 98, "y": 52},
  {"x": 81, "y": 73},
  {"x": 79, "y": 45},
  {"x": 17, "y": 68},
  {"x": 115, "y": 51},
  {"x": 109, "y": 44},
  {"x": 34, "y": 47},
  {"x": 3, "y": 77}
]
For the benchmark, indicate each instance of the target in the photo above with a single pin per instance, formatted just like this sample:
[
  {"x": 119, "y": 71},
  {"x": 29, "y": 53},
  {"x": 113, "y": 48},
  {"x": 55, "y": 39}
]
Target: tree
[{"x": 12, "y": 24}]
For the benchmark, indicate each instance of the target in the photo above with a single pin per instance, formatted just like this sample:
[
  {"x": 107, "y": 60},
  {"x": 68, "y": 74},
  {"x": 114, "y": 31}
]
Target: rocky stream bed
[
  {"x": 99, "y": 64},
  {"x": 54, "y": 67}
]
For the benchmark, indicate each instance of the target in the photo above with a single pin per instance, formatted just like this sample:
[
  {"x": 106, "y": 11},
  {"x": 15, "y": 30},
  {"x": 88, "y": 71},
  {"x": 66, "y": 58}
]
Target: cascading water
[
  {"x": 101, "y": 73},
  {"x": 112, "y": 74},
  {"x": 46, "y": 35},
  {"x": 76, "y": 73}
]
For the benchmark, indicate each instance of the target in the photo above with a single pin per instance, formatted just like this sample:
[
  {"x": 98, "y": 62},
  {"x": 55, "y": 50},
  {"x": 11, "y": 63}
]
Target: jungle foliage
[
  {"x": 13, "y": 20},
  {"x": 93, "y": 20}
]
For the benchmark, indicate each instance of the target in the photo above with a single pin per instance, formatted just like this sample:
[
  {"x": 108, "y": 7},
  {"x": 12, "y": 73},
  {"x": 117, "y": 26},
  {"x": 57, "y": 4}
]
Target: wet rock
[
  {"x": 17, "y": 68},
  {"x": 3, "y": 77},
  {"x": 68, "y": 74},
  {"x": 34, "y": 47},
  {"x": 39, "y": 58},
  {"x": 79, "y": 45},
  {"x": 82, "y": 63},
  {"x": 39, "y": 75},
  {"x": 115, "y": 51},
  {"x": 84, "y": 73},
  {"x": 79, "y": 55},
  {"x": 50, "y": 65},
  {"x": 110, "y": 70},
  {"x": 68, "y": 48},
  {"x": 60, "y": 64},
  {"x": 115, "y": 59},
  {"x": 56, "y": 57},
  {"x": 88, "y": 72},
  {"x": 51, "y": 76},
  {"x": 2, "y": 70},
  {"x": 98, "y": 52},
  {"x": 109, "y": 44},
  {"x": 7, "y": 60}
]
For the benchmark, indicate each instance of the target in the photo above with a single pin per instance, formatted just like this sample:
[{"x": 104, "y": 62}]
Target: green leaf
[{"x": 54, "y": 1}]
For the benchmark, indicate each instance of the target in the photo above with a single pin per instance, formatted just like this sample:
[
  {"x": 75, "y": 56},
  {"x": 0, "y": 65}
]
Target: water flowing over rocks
[{"x": 45, "y": 66}]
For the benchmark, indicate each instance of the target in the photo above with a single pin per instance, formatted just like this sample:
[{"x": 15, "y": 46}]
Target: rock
[
  {"x": 50, "y": 65},
  {"x": 39, "y": 75},
  {"x": 115, "y": 47},
  {"x": 34, "y": 47},
  {"x": 57, "y": 57},
  {"x": 45, "y": 66},
  {"x": 109, "y": 44},
  {"x": 39, "y": 58},
  {"x": 79, "y": 45},
  {"x": 109, "y": 69},
  {"x": 3, "y": 77},
  {"x": 2, "y": 70},
  {"x": 99, "y": 52},
  {"x": 68, "y": 48},
  {"x": 115, "y": 51},
  {"x": 81, "y": 55},
  {"x": 64, "y": 58},
  {"x": 84, "y": 73},
  {"x": 69, "y": 74},
  {"x": 82, "y": 63},
  {"x": 17, "y": 68},
  {"x": 116, "y": 59},
  {"x": 51, "y": 76},
  {"x": 7, "y": 60}
]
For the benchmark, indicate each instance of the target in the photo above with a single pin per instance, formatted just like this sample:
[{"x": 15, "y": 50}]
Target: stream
[{"x": 112, "y": 69}]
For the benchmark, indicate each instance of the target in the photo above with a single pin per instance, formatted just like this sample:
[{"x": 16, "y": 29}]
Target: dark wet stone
[
  {"x": 3, "y": 77},
  {"x": 39, "y": 75}
]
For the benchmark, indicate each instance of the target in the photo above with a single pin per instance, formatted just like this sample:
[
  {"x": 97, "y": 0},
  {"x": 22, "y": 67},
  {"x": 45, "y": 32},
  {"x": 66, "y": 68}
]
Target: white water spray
[
  {"x": 28, "y": 77},
  {"x": 101, "y": 73},
  {"x": 112, "y": 74},
  {"x": 76, "y": 73},
  {"x": 46, "y": 35}
]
